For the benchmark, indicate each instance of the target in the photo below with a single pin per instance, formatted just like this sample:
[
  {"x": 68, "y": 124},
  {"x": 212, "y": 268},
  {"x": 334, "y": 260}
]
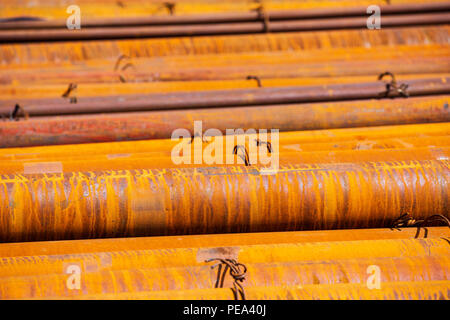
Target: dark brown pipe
[
  {"x": 218, "y": 28},
  {"x": 225, "y": 98},
  {"x": 410, "y": 8}
]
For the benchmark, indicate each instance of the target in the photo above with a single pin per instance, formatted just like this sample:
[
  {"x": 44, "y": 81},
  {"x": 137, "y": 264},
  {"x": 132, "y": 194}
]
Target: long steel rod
[
  {"x": 377, "y": 137},
  {"x": 227, "y": 98},
  {"x": 69, "y": 249},
  {"x": 409, "y": 8},
  {"x": 217, "y": 200},
  {"x": 217, "y": 29}
]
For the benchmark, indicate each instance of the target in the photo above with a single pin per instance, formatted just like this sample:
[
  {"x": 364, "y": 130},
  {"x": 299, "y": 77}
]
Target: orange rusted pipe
[
  {"x": 342, "y": 11},
  {"x": 314, "y": 140},
  {"x": 134, "y": 8},
  {"x": 68, "y": 53},
  {"x": 161, "y": 124},
  {"x": 164, "y": 160},
  {"x": 34, "y": 91},
  {"x": 216, "y": 200},
  {"x": 286, "y": 252},
  {"x": 173, "y": 243},
  {"x": 417, "y": 269},
  {"x": 249, "y": 27},
  {"x": 217, "y": 67},
  {"x": 273, "y": 264},
  {"x": 430, "y": 290},
  {"x": 286, "y": 147}
]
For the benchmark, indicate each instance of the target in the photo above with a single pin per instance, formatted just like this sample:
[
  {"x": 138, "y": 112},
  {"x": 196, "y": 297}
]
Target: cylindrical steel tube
[
  {"x": 163, "y": 160},
  {"x": 11, "y": 23},
  {"x": 299, "y": 43},
  {"x": 217, "y": 200},
  {"x": 429, "y": 290},
  {"x": 218, "y": 28},
  {"x": 80, "y": 250},
  {"x": 96, "y": 282},
  {"x": 161, "y": 124},
  {"x": 284, "y": 263},
  {"x": 377, "y": 137},
  {"x": 226, "y": 98}
]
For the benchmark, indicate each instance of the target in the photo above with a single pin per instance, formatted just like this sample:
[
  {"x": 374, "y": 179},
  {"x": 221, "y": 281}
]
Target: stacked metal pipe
[
  {"x": 87, "y": 150},
  {"x": 286, "y": 265}
]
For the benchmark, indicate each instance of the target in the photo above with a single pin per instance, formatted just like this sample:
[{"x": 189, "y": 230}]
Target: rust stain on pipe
[
  {"x": 430, "y": 290},
  {"x": 211, "y": 241},
  {"x": 75, "y": 52},
  {"x": 96, "y": 282},
  {"x": 217, "y": 200},
  {"x": 38, "y": 35},
  {"x": 164, "y": 160}
]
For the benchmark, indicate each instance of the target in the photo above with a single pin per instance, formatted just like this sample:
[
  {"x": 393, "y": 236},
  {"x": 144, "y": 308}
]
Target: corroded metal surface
[
  {"x": 231, "y": 17},
  {"x": 306, "y": 43},
  {"x": 356, "y": 63},
  {"x": 217, "y": 200},
  {"x": 124, "y": 273},
  {"x": 71, "y": 247},
  {"x": 289, "y": 156},
  {"x": 377, "y": 137},
  {"x": 160, "y": 124},
  {"x": 227, "y": 98},
  {"x": 38, "y": 35},
  {"x": 431, "y": 290},
  {"x": 135, "y": 8},
  {"x": 289, "y": 252},
  {"x": 191, "y": 278}
]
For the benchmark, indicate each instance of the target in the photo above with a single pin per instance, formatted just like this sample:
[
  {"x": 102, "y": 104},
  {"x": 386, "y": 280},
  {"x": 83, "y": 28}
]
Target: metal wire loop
[
  {"x": 236, "y": 270},
  {"x": 393, "y": 87},
  {"x": 245, "y": 157}
]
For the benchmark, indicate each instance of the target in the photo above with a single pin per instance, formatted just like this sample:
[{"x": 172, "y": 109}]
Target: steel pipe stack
[{"x": 224, "y": 150}]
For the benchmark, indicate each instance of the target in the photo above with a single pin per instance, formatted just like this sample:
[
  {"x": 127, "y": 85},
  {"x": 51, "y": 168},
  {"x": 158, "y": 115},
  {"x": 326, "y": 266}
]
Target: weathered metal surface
[
  {"x": 205, "y": 242},
  {"x": 52, "y": 9},
  {"x": 26, "y": 91},
  {"x": 163, "y": 160},
  {"x": 351, "y": 63},
  {"x": 227, "y": 98},
  {"x": 176, "y": 258},
  {"x": 161, "y": 124},
  {"x": 278, "y": 264},
  {"x": 417, "y": 269},
  {"x": 365, "y": 138},
  {"x": 217, "y": 200},
  {"x": 430, "y": 290},
  {"x": 14, "y": 36},
  {"x": 231, "y": 17},
  {"x": 301, "y": 43}
]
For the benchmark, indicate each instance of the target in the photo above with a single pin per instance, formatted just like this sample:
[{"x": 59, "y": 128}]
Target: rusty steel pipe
[
  {"x": 288, "y": 147},
  {"x": 406, "y": 8},
  {"x": 27, "y": 91},
  {"x": 269, "y": 263},
  {"x": 307, "y": 67},
  {"x": 218, "y": 200},
  {"x": 250, "y": 254},
  {"x": 418, "y": 269},
  {"x": 296, "y": 42},
  {"x": 17, "y": 36},
  {"x": 429, "y": 290},
  {"x": 70, "y": 248},
  {"x": 161, "y": 124},
  {"x": 239, "y": 65},
  {"x": 378, "y": 137},
  {"x": 161, "y": 160},
  {"x": 226, "y": 98}
]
